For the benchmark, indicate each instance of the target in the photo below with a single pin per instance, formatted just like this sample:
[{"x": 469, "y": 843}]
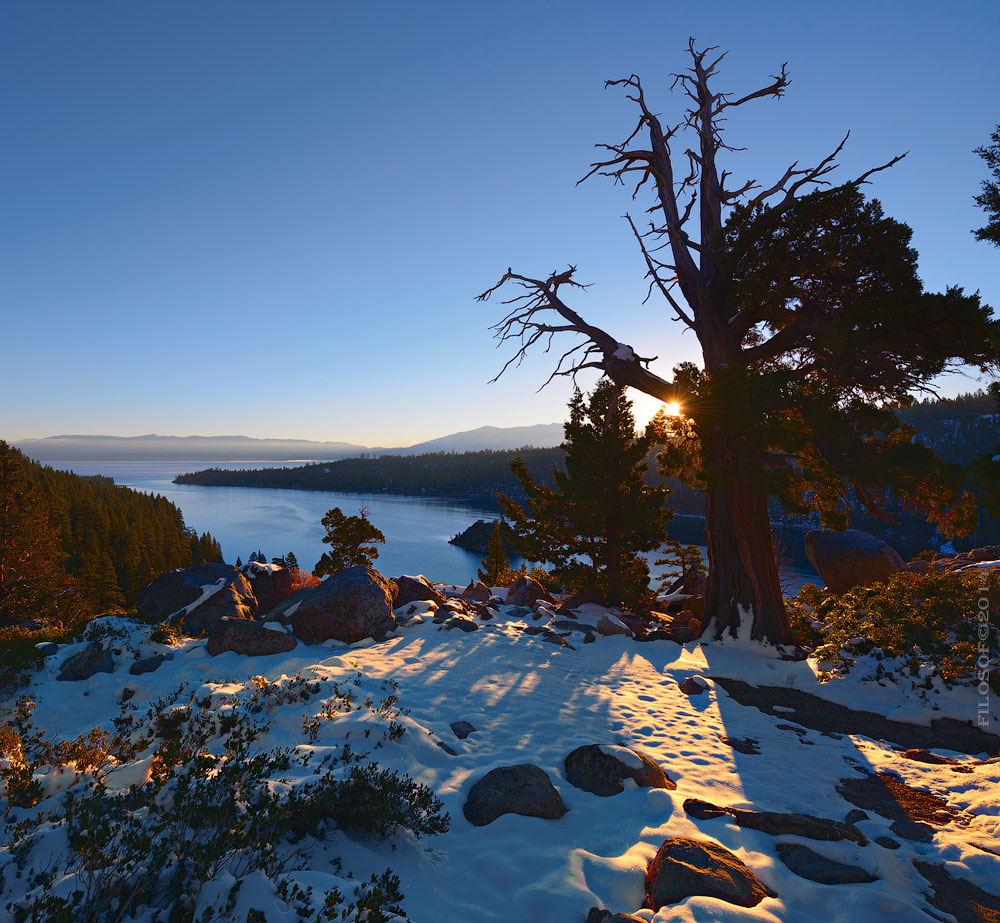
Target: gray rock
[
  {"x": 591, "y": 595},
  {"x": 887, "y": 842},
  {"x": 415, "y": 589},
  {"x": 94, "y": 658},
  {"x": 462, "y": 729},
  {"x": 47, "y": 647},
  {"x": 776, "y": 823},
  {"x": 684, "y": 867},
  {"x": 234, "y": 601},
  {"x": 808, "y": 864},
  {"x": 527, "y": 591},
  {"x": 558, "y": 641},
  {"x": 246, "y": 637},
  {"x": 912, "y": 830},
  {"x": 519, "y": 612},
  {"x": 523, "y": 789},
  {"x": 354, "y": 604},
  {"x": 851, "y": 558},
  {"x": 462, "y": 623},
  {"x": 590, "y": 768},
  {"x": 854, "y": 815},
  {"x": 148, "y": 664},
  {"x": 175, "y": 589}
]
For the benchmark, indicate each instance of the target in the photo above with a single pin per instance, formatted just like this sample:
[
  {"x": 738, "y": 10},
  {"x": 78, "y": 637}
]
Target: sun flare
[{"x": 672, "y": 409}]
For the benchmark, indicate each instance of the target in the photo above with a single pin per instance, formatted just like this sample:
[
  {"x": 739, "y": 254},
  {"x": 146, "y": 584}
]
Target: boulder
[
  {"x": 685, "y": 867},
  {"x": 246, "y": 637},
  {"x": 462, "y": 729},
  {"x": 270, "y": 585},
  {"x": 691, "y": 686},
  {"x": 176, "y": 590},
  {"x": 808, "y": 864},
  {"x": 353, "y": 604},
  {"x": 461, "y": 622},
  {"x": 414, "y": 589},
  {"x": 850, "y": 558},
  {"x": 527, "y": 591},
  {"x": 94, "y": 658},
  {"x": 776, "y": 823},
  {"x": 148, "y": 664},
  {"x": 611, "y": 625},
  {"x": 476, "y": 592},
  {"x": 887, "y": 842},
  {"x": 522, "y": 789},
  {"x": 600, "y": 769},
  {"x": 591, "y": 595}
]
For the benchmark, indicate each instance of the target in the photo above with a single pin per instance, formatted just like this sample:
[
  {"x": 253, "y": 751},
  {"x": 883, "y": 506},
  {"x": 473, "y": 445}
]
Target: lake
[{"x": 248, "y": 519}]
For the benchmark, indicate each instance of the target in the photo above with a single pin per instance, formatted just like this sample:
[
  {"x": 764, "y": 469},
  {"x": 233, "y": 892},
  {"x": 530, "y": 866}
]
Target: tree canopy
[{"x": 811, "y": 321}]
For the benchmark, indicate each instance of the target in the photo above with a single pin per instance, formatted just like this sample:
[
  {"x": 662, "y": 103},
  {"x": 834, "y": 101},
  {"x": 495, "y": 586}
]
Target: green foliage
[
  {"x": 351, "y": 540},
  {"x": 214, "y": 803},
  {"x": 678, "y": 559},
  {"x": 601, "y": 514},
  {"x": 989, "y": 199},
  {"x": 31, "y": 572},
  {"x": 910, "y": 621},
  {"x": 74, "y": 546},
  {"x": 496, "y": 564}
]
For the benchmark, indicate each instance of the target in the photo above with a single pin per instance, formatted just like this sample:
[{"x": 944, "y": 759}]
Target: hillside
[
  {"x": 444, "y": 708},
  {"x": 83, "y": 544}
]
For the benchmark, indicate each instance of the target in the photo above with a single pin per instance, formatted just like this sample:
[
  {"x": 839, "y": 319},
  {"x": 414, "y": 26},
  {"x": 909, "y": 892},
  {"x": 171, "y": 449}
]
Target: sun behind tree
[{"x": 594, "y": 524}]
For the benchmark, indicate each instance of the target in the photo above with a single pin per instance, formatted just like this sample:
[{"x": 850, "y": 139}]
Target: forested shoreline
[{"x": 72, "y": 545}]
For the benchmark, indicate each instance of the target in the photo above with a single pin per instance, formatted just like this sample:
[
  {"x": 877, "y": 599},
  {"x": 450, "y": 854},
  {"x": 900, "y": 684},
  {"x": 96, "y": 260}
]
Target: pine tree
[
  {"x": 31, "y": 574},
  {"x": 593, "y": 525},
  {"x": 350, "y": 539},
  {"x": 291, "y": 562},
  {"x": 989, "y": 199},
  {"x": 239, "y": 561},
  {"x": 678, "y": 559},
  {"x": 496, "y": 564}
]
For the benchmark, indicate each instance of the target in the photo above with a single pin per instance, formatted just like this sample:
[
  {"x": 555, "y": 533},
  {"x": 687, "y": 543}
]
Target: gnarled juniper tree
[{"x": 812, "y": 323}]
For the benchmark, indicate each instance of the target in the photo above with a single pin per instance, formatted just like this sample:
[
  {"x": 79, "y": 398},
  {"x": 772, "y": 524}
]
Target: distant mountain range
[{"x": 73, "y": 448}]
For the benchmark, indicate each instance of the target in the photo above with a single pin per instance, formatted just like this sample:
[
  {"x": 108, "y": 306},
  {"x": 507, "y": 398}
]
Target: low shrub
[
  {"x": 212, "y": 803},
  {"x": 913, "y": 624}
]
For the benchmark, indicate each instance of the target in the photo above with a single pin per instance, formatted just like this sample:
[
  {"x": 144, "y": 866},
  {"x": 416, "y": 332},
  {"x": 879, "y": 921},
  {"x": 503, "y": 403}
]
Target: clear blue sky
[{"x": 272, "y": 218}]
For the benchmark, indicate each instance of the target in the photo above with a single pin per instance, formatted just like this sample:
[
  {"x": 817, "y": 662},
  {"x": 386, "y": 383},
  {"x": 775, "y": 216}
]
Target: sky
[{"x": 272, "y": 219}]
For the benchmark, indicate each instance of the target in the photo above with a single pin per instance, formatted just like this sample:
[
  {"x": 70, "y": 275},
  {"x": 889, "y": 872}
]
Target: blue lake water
[{"x": 248, "y": 519}]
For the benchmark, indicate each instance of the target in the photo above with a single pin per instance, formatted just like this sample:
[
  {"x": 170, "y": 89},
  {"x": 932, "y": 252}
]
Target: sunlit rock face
[
  {"x": 851, "y": 558},
  {"x": 354, "y": 604}
]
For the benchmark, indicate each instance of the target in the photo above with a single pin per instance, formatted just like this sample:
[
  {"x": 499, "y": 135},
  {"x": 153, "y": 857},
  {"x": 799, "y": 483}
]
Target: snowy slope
[{"x": 532, "y": 701}]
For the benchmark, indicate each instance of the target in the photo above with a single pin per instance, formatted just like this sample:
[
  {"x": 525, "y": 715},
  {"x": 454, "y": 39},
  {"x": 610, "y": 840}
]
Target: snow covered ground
[{"x": 533, "y": 702}]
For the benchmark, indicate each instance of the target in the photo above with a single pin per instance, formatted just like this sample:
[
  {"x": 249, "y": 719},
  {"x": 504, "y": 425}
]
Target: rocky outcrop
[
  {"x": 684, "y": 867},
  {"x": 808, "y": 864},
  {"x": 415, "y": 589},
  {"x": 527, "y": 591},
  {"x": 776, "y": 823},
  {"x": 177, "y": 593},
  {"x": 523, "y": 789},
  {"x": 354, "y": 604},
  {"x": 270, "y": 585},
  {"x": 477, "y": 592},
  {"x": 590, "y": 595},
  {"x": 600, "y": 770},
  {"x": 851, "y": 558},
  {"x": 243, "y": 636},
  {"x": 94, "y": 658}
]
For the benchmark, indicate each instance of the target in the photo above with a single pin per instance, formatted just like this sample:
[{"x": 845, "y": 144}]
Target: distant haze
[{"x": 79, "y": 448}]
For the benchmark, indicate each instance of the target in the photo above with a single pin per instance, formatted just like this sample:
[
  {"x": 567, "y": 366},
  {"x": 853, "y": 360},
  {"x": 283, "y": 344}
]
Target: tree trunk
[{"x": 742, "y": 570}]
